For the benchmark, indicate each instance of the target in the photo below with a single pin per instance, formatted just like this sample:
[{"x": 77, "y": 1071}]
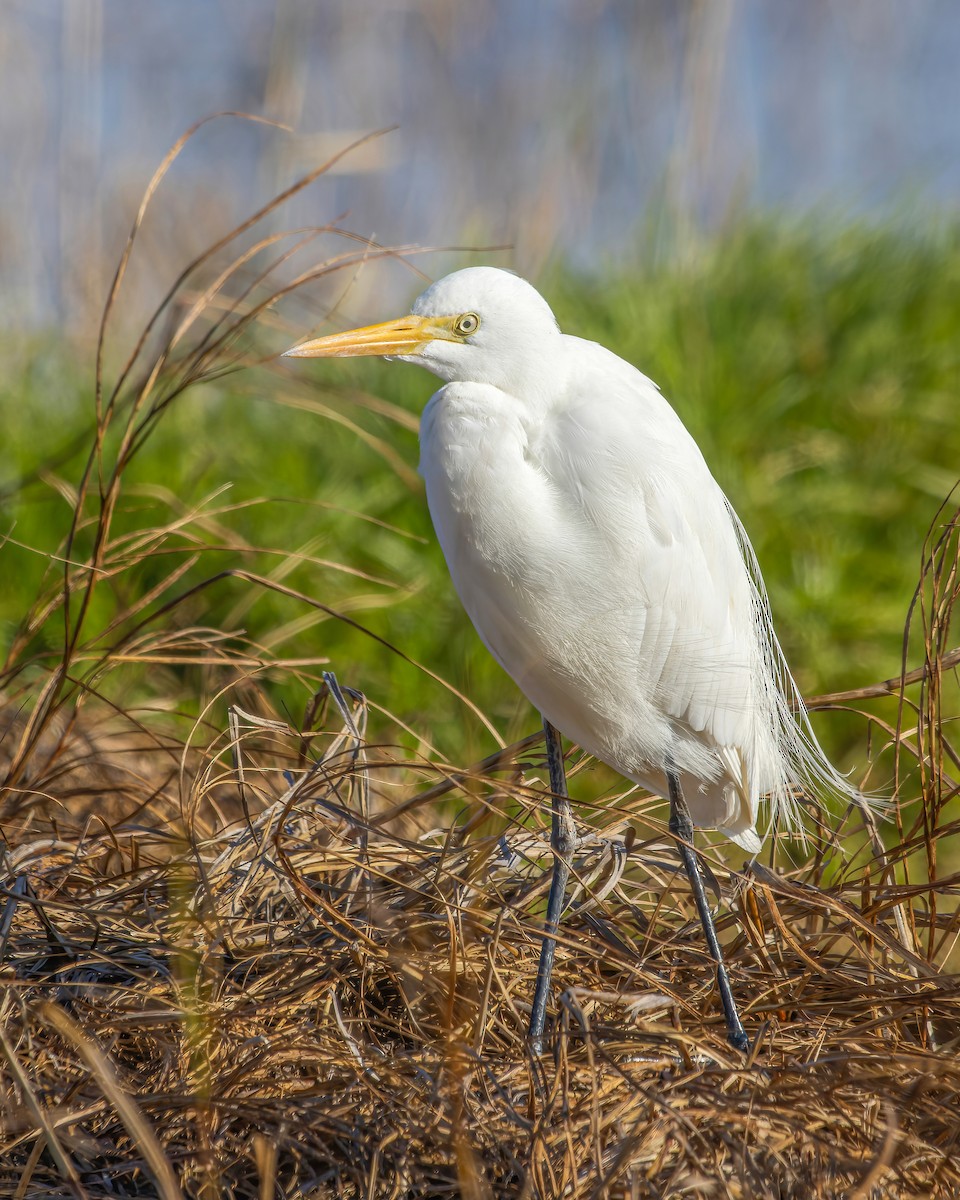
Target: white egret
[{"x": 605, "y": 571}]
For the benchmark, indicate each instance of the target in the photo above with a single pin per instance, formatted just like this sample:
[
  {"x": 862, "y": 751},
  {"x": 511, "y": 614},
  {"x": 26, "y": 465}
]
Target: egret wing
[{"x": 673, "y": 579}]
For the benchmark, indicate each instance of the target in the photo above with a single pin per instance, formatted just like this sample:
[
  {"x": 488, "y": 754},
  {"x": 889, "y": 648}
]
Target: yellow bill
[{"x": 406, "y": 335}]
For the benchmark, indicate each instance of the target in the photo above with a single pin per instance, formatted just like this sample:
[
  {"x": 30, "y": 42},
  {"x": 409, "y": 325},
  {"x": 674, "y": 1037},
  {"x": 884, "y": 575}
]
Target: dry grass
[
  {"x": 246, "y": 959},
  {"x": 327, "y": 1000}
]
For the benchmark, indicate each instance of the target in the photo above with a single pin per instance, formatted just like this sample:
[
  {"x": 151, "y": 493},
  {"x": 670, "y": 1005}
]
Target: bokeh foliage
[{"x": 815, "y": 363}]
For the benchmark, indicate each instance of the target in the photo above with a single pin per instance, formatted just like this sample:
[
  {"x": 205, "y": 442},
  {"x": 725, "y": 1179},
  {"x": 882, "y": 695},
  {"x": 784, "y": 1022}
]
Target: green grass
[{"x": 816, "y": 367}]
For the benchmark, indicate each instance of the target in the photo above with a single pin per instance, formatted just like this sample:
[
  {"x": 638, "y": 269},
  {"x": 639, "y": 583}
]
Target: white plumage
[{"x": 596, "y": 555}]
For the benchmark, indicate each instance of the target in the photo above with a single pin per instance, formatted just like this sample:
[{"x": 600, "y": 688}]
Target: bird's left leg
[
  {"x": 681, "y": 826},
  {"x": 562, "y": 841}
]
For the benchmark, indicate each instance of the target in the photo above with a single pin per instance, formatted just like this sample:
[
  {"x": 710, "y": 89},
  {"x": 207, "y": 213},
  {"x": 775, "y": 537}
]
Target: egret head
[{"x": 479, "y": 325}]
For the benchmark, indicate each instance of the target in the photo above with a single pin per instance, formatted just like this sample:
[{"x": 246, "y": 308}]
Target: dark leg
[
  {"x": 562, "y": 840},
  {"x": 682, "y": 829}
]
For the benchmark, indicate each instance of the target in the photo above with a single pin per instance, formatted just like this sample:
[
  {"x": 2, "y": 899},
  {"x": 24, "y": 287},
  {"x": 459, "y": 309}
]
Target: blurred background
[
  {"x": 755, "y": 202},
  {"x": 558, "y": 129}
]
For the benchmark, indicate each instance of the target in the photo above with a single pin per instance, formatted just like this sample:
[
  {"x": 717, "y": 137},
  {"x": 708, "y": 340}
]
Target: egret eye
[{"x": 466, "y": 324}]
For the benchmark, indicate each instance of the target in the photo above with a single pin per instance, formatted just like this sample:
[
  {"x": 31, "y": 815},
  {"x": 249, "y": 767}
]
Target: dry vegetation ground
[
  {"x": 245, "y": 959},
  {"x": 329, "y": 996}
]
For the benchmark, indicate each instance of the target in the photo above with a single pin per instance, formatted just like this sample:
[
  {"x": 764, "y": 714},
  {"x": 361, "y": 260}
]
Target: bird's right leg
[
  {"x": 562, "y": 841},
  {"x": 681, "y": 827}
]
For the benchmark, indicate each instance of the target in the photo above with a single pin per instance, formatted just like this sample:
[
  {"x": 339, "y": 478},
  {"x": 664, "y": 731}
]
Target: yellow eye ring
[{"x": 466, "y": 324}]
